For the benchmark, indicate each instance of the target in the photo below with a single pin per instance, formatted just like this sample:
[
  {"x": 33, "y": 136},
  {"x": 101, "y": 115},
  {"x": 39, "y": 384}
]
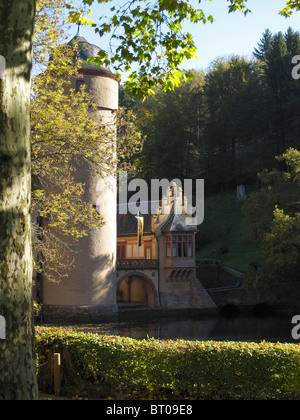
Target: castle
[{"x": 112, "y": 270}]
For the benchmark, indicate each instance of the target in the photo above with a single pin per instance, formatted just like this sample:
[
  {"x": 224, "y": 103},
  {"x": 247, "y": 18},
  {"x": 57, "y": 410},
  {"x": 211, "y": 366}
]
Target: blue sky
[{"x": 229, "y": 34}]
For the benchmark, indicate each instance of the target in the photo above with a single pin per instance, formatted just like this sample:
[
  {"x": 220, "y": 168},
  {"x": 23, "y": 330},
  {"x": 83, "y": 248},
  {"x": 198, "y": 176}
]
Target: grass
[{"x": 224, "y": 234}]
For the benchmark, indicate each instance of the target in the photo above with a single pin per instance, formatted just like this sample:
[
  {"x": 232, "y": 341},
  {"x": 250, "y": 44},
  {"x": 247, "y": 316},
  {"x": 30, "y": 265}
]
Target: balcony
[{"x": 137, "y": 264}]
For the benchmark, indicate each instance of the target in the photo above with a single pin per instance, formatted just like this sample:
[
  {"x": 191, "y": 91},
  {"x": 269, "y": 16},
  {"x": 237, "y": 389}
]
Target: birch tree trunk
[{"x": 17, "y": 355}]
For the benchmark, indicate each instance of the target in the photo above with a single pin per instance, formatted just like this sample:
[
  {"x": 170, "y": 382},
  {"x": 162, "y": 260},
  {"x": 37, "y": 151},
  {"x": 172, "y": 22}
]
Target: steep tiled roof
[{"x": 127, "y": 224}]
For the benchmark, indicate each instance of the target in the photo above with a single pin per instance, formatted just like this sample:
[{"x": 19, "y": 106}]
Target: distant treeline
[{"x": 227, "y": 124}]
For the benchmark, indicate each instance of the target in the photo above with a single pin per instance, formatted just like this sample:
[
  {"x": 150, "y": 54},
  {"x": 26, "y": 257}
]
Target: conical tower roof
[{"x": 87, "y": 50}]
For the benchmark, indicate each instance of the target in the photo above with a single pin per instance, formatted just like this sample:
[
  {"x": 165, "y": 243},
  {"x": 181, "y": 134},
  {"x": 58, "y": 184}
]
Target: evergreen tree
[
  {"x": 139, "y": 42},
  {"x": 229, "y": 132},
  {"x": 264, "y": 45},
  {"x": 273, "y": 217},
  {"x": 172, "y": 123},
  {"x": 276, "y": 54}
]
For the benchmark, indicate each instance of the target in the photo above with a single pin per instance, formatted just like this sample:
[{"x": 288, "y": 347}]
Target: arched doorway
[{"x": 136, "y": 288}]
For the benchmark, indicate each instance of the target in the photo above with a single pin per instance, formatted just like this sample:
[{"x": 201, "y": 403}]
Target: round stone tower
[{"x": 89, "y": 293}]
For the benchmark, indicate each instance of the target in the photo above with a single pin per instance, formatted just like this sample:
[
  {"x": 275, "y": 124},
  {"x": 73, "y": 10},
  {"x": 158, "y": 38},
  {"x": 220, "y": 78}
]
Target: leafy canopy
[
  {"x": 65, "y": 135},
  {"x": 273, "y": 216},
  {"x": 291, "y": 6},
  {"x": 149, "y": 34}
]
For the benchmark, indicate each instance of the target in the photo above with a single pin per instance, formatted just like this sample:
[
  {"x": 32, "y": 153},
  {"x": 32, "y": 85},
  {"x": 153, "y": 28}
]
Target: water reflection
[{"x": 244, "y": 327}]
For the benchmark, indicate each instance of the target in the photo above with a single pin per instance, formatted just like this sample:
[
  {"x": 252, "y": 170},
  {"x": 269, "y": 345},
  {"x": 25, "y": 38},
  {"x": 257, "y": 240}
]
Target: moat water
[{"x": 243, "y": 327}]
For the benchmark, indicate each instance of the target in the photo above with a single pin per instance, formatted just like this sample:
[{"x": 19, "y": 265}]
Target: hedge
[{"x": 164, "y": 369}]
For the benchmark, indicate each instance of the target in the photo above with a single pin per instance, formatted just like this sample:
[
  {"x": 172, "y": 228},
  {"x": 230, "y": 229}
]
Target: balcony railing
[{"x": 137, "y": 264}]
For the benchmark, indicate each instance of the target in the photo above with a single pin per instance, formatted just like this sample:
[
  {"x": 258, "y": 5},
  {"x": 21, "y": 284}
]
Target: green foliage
[
  {"x": 226, "y": 125},
  {"x": 151, "y": 35},
  {"x": 282, "y": 246},
  {"x": 291, "y": 6},
  {"x": 156, "y": 369},
  {"x": 170, "y": 121},
  {"x": 275, "y": 53},
  {"x": 48, "y": 29},
  {"x": 66, "y": 135},
  {"x": 223, "y": 230},
  {"x": 231, "y": 95},
  {"x": 273, "y": 217}
]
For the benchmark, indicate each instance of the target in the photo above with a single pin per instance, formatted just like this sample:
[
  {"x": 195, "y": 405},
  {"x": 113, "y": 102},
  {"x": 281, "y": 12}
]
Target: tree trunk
[{"x": 17, "y": 354}]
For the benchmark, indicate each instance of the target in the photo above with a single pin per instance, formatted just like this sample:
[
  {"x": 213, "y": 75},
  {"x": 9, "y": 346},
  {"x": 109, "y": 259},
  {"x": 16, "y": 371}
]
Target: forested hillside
[{"x": 227, "y": 124}]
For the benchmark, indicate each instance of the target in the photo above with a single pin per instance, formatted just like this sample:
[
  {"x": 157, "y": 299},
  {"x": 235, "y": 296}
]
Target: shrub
[{"x": 178, "y": 369}]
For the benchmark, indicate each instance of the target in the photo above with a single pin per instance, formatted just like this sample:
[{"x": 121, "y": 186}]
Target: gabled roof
[
  {"x": 128, "y": 225},
  {"x": 177, "y": 223},
  {"x": 166, "y": 223}
]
